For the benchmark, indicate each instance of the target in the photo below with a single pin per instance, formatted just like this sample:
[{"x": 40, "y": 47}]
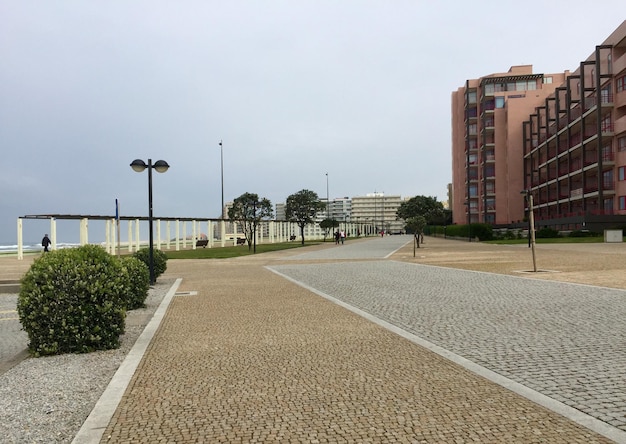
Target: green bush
[
  {"x": 483, "y": 232},
  {"x": 547, "y": 233},
  {"x": 158, "y": 257},
  {"x": 73, "y": 301},
  {"x": 139, "y": 282},
  {"x": 583, "y": 233}
]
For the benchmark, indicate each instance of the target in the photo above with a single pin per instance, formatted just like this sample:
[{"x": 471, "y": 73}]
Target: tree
[
  {"x": 249, "y": 210},
  {"x": 427, "y": 207},
  {"x": 301, "y": 208},
  {"x": 328, "y": 224},
  {"x": 416, "y": 225}
]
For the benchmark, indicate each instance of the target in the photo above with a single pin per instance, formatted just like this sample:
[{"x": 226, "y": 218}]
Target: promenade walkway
[{"x": 343, "y": 344}]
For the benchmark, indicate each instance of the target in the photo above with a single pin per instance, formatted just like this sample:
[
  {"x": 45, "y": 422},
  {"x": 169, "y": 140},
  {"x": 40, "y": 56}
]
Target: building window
[
  {"x": 473, "y": 190},
  {"x": 622, "y": 202},
  {"x": 607, "y": 180},
  {"x": 621, "y": 173},
  {"x": 607, "y": 124},
  {"x": 621, "y": 144},
  {"x": 547, "y": 80},
  {"x": 471, "y": 97},
  {"x": 500, "y": 102},
  {"x": 489, "y": 88},
  {"x": 605, "y": 95},
  {"x": 621, "y": 84}
]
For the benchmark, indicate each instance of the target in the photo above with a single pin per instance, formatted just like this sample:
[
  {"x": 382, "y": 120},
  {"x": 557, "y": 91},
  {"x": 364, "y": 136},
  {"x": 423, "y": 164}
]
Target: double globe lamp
[{"x": 160, "y": 166}]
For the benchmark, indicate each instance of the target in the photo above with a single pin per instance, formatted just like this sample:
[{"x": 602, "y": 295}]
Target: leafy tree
[
  {"x": 416, "y": 225},
  {"x": 427, "y": 207},
  {"x": 249, "y": 210},
  {"x": 327, "y": 225},
  {"x": 302, "y": 207}
]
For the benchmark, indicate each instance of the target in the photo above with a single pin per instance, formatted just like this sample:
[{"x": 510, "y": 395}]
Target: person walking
[
  {"x": 342, "y": 236},
  {"x": 45, "y": 243}
]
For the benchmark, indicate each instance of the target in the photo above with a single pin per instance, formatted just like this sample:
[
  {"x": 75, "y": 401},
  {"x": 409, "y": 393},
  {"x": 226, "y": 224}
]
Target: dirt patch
[{"x": 599, "y": 264}]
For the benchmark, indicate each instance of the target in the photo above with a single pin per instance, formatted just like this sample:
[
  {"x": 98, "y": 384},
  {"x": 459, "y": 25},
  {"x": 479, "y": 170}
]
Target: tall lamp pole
[
  {"x": 254, "y": 204},
  {"x": 222, "y": 174},
  {"x": 161, "y": 166},
  {"x": 327, "y": 199}
]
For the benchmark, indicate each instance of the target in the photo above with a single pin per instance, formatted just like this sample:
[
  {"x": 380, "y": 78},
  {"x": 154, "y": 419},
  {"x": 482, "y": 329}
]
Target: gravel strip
[{"x": 47, "y": 399}]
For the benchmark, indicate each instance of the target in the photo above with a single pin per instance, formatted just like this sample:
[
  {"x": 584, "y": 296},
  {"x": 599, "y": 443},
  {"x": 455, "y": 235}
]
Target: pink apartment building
[
  {"x": 575, "y": 145},
  {"x": 547, "y": 133},
  {"x": 487, "y": 143}
]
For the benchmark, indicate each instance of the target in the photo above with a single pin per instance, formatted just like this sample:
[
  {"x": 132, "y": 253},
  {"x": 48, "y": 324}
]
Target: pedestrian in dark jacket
[{"x": 45, "y": 243}]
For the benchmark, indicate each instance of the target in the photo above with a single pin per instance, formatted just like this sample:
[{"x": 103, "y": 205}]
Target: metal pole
[
  {"x": 151, "y": 244},
  {"x": 327, "y": 199},
  {"x": 222, "y": 173},
  {"x": 532, "y": 229},
  {"x": 382, "y": 215},
  {"x": 375, "y": 215},
  {"x": 254, "y": 226}
]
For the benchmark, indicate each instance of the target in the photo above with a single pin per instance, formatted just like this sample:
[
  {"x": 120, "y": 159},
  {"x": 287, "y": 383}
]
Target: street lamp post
[
  {"x": 531, "y": 231},
  {"x": 254, "y": 204},
  {"x": 161, "y": 166},
  {"x": 375, "y": 215},
  {"x": 327, "y": 199},
  {"x": 222, "y": 175}
]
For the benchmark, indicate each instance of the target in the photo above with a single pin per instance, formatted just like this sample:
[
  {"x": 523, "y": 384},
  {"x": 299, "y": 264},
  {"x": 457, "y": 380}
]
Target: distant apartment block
[
  {"x": 574, "y": 159},
  {"x": 378, "y": 210},
  {"x": 487, "y": 143}
]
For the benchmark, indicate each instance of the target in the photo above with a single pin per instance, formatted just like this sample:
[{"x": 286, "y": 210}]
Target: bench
[
  {"x": 292, "y": 237},
  {"x": 241, "y": 241},
  {"x": 202, "y": 243}
]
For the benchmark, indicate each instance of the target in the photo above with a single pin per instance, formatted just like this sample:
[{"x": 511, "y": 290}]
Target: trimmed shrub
[
  {"x": 481, "y": 231},
  {"x": 158, "y": 257},
  {"x": 583, "y": 233},
  {"x": 547, "y": 233},
  {"x": 73, "y": 301},
  {"x": 138, "y": 280}
]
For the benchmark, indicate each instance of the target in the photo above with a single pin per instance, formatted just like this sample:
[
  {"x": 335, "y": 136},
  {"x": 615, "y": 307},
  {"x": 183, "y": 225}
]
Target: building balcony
[
  {"x": 619, "y": 64},
  {"x": 620, "y": 124},
  {"x": 620, "y": 99}
]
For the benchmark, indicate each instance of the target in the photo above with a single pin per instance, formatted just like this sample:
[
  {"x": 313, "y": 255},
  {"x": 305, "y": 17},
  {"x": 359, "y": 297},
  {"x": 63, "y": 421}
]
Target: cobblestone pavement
[
  {"x": 254, "y": 357},
  {"x": 563, "y": 340}
]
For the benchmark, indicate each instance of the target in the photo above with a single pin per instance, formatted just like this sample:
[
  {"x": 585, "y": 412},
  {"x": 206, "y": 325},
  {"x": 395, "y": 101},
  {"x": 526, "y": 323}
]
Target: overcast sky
[{"x": 358, "y": 89}]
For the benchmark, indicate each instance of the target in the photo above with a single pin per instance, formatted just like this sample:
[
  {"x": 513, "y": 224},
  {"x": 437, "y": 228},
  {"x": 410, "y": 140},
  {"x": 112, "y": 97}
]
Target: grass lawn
[{"x": 235, "y": 251}]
